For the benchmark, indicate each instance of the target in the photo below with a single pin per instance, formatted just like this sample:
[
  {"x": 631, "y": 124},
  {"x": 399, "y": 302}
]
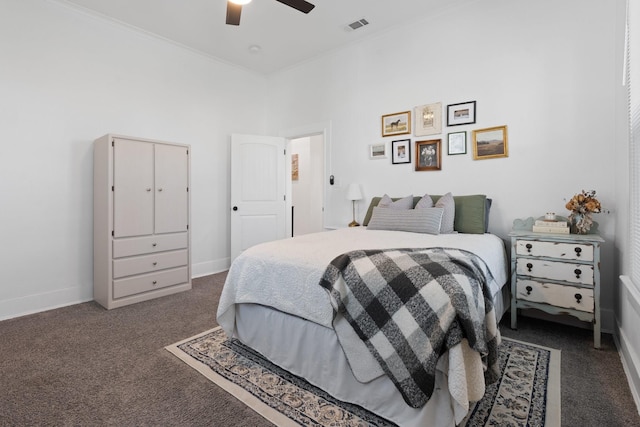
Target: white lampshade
[{"x": 353, "y": 192}]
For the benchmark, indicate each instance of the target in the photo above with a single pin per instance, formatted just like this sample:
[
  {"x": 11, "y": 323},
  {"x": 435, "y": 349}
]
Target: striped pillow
[{"x": 426, "y": 220}]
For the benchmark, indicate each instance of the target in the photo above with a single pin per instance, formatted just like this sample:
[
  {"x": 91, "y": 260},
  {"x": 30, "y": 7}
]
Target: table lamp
[{"x": 353, "y": 194}]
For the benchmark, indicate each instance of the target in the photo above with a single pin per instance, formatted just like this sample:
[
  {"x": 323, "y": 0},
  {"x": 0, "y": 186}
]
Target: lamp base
[{"x": 354, "y": 224}]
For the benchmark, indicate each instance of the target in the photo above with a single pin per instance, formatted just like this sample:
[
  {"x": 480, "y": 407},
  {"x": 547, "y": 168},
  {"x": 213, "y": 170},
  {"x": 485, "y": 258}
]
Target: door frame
[{"x": 324, "y": 129}]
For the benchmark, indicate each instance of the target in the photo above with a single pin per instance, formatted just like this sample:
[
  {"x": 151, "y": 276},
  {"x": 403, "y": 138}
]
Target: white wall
[
  {"x": 67, "y": 78},
  {"x": 548, "y": 70}
]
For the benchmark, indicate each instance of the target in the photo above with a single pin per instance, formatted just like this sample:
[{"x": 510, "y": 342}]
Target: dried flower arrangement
[{"x": 582, "y": 205}]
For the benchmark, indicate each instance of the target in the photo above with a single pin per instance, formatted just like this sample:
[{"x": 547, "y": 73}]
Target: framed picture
[
  {"x": 428, "y": 119},
  {"x": 461, "y": 114},
  {"x": 401, "y": 151},
  {"x": 428, "y": 155},
  {"x": 294, "y": 167},
  {"x": 490, "y": 143},
  {"x": 378, "y": 151},
  {"x": 396, "y": 124},
  {"x": 457, "y": 142}
]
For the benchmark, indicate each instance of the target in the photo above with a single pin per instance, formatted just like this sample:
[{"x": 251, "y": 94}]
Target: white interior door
[{"x": 258, "y": 206}]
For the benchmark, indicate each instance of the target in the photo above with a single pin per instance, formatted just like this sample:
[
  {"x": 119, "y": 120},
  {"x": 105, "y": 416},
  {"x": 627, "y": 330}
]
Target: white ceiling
[{"x": 285, "y": 36}]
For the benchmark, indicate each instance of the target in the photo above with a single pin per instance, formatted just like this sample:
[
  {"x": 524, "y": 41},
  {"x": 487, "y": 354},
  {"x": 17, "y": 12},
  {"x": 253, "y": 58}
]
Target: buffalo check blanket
[{"x": 411, "y": 305}]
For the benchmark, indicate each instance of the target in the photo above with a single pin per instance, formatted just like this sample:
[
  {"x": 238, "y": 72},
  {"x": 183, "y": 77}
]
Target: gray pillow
[
  {"x": 404, "y": 203},
  {"x": 425, "y": 220},
  {"x": 424, "y": 202},
  {"x": 448, "y": 217}
]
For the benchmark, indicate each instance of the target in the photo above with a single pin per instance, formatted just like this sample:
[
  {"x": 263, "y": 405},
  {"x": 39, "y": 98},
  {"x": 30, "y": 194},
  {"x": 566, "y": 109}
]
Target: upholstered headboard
[{"x": 471, "y": 216}]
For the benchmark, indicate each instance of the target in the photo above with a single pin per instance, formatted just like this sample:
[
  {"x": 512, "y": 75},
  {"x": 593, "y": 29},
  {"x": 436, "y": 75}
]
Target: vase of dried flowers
[{"x": 582, "y": 205}]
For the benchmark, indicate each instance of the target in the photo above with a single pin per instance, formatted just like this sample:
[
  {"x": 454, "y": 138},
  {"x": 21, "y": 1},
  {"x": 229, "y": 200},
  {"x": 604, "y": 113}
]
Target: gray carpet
[{"x": 83, "y": 365}]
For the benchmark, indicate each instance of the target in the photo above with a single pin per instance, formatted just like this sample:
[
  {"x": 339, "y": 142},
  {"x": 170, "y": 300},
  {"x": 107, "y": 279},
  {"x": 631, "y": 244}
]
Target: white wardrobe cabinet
[{"x": 141, "y": 220}]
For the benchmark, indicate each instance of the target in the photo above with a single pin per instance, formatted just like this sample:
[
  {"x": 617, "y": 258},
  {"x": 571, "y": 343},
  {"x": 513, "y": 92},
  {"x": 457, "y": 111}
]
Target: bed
[{"x": 272, "y": 302}]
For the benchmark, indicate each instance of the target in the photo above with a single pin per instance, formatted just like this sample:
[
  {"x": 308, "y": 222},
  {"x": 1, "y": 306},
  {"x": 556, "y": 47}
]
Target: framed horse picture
[{"x": 396, "y": 123}]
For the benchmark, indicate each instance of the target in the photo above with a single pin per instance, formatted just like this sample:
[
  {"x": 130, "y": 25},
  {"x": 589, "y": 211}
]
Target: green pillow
[{"x": 471, "y": 212}]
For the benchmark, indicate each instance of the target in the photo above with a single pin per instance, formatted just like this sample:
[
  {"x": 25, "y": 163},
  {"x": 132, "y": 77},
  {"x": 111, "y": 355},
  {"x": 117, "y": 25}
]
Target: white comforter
[{"x": 284, "y": 274}]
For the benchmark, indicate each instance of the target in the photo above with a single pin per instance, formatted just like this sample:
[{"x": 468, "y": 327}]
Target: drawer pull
[
  {"x": 154, "y": 244},
  {"x": 529, "y": 246},
  {"x": 578, "y": 250},
  {"x": 578, "y": 272},
  {"x": 529, "y": 289},
  {"x": 155, "y": 282},
  {"x": 578, "y": 298},
  {"x": 529, "y": 266},
  {"x": 148, "y": 189},
  {"x": 155, "y": 263}
]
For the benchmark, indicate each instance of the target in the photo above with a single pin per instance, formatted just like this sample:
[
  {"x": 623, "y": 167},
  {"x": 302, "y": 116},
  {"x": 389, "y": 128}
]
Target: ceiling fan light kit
[{"x": 234, "y": 8}]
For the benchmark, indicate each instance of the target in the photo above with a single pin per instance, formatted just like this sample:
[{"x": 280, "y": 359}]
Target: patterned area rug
[{"x": 527, "y": 395}]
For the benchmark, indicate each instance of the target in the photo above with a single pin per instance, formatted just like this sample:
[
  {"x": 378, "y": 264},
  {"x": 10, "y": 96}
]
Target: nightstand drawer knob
[
  {"x": 528, "y": 246},
  {"x": 529, "y": 266},
  {"x": 578, "y": 272},
  {"x": 529, "y": 289},
  {"x": 578, "y": 297},
  {"x": 578, "y": 250}
]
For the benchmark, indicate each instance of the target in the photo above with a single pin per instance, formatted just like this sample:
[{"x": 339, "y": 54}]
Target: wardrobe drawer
[
  {"x": 149, "y": 244},
  {"x": 149, "y": 282},
  {"x": 556, "y": 270},
  {"x": 149, "y": 263},
  {"x": 570, "y": 251},
  {"x": 556, "y": 295}
]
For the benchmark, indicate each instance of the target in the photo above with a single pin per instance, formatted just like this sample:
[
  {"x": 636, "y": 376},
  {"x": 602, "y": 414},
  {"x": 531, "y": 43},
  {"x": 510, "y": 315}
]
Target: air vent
[{"x": 358, "y": 24}]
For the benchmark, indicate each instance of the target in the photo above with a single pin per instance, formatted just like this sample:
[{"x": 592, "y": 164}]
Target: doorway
[{"x": 307, "y": 184}]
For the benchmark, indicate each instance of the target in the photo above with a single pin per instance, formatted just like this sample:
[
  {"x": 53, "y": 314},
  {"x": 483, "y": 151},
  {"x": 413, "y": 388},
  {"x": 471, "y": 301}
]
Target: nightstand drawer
[
  {"x": 557, "y": 295},
  {"x": 570, "y": 251},
  {"x": 555, "y": 270}
]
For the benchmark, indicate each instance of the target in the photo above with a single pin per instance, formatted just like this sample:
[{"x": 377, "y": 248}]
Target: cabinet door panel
[
  {"x": 171, "y": 196},
  {"x": 133, "y": 188}
]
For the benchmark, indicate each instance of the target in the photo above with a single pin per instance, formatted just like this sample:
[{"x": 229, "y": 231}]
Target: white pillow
[
  {"x": 404, "y": 203},
  {"x": 447, "y": 203},
  {"x": 426, "y": 220}
]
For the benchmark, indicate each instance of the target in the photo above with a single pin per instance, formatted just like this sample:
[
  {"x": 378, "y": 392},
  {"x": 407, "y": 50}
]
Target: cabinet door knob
[
  {"x": 528, "y": 246},
  {"x": 529, "y": 289},
  {"x": 148, "y": 189},
  {"x": 578, "y": 272},
  {"x": 529, "y": 266},
  {"x": 578, "y": 298},
  {"x": 160, "y": 189},
  {"x": 578, "y": 250}
]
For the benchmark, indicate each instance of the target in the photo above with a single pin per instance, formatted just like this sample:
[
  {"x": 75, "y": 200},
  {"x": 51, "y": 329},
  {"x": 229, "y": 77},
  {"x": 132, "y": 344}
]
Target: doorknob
[{"x": 235, "y": 208}]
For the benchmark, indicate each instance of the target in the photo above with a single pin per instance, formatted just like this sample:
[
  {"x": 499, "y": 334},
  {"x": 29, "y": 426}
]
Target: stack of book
[{"x": 550, "y": 226}]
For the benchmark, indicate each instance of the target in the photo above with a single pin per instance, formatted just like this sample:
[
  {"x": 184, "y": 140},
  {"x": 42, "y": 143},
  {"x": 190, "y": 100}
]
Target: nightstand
[{"x": 556, "y": 273}]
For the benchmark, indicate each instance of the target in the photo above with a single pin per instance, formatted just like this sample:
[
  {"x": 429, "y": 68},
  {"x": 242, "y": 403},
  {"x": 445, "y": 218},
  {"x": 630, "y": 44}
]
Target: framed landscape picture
[
  {"x": 396, "y": 123},
  {"x": 490, "y": 143},
  {"x": 428, "y": 155},
  {"x": 463, "y": 113},
  {"x": 378, "y": 151}
]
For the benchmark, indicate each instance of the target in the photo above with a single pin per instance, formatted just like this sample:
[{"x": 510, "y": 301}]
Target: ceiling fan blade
[
  {"x": 301, "y": 5},
  {"x": 233, "y": 13}
]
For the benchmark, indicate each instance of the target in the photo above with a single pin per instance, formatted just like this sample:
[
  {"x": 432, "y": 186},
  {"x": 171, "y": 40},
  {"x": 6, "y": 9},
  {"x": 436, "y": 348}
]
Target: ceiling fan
[{"x": 234, "y": 8}]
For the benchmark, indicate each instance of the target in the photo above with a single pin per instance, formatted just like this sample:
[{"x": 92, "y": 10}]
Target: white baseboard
[
  {"x": 18, "y": 307},
  {"x": 209, "y": 267}
]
